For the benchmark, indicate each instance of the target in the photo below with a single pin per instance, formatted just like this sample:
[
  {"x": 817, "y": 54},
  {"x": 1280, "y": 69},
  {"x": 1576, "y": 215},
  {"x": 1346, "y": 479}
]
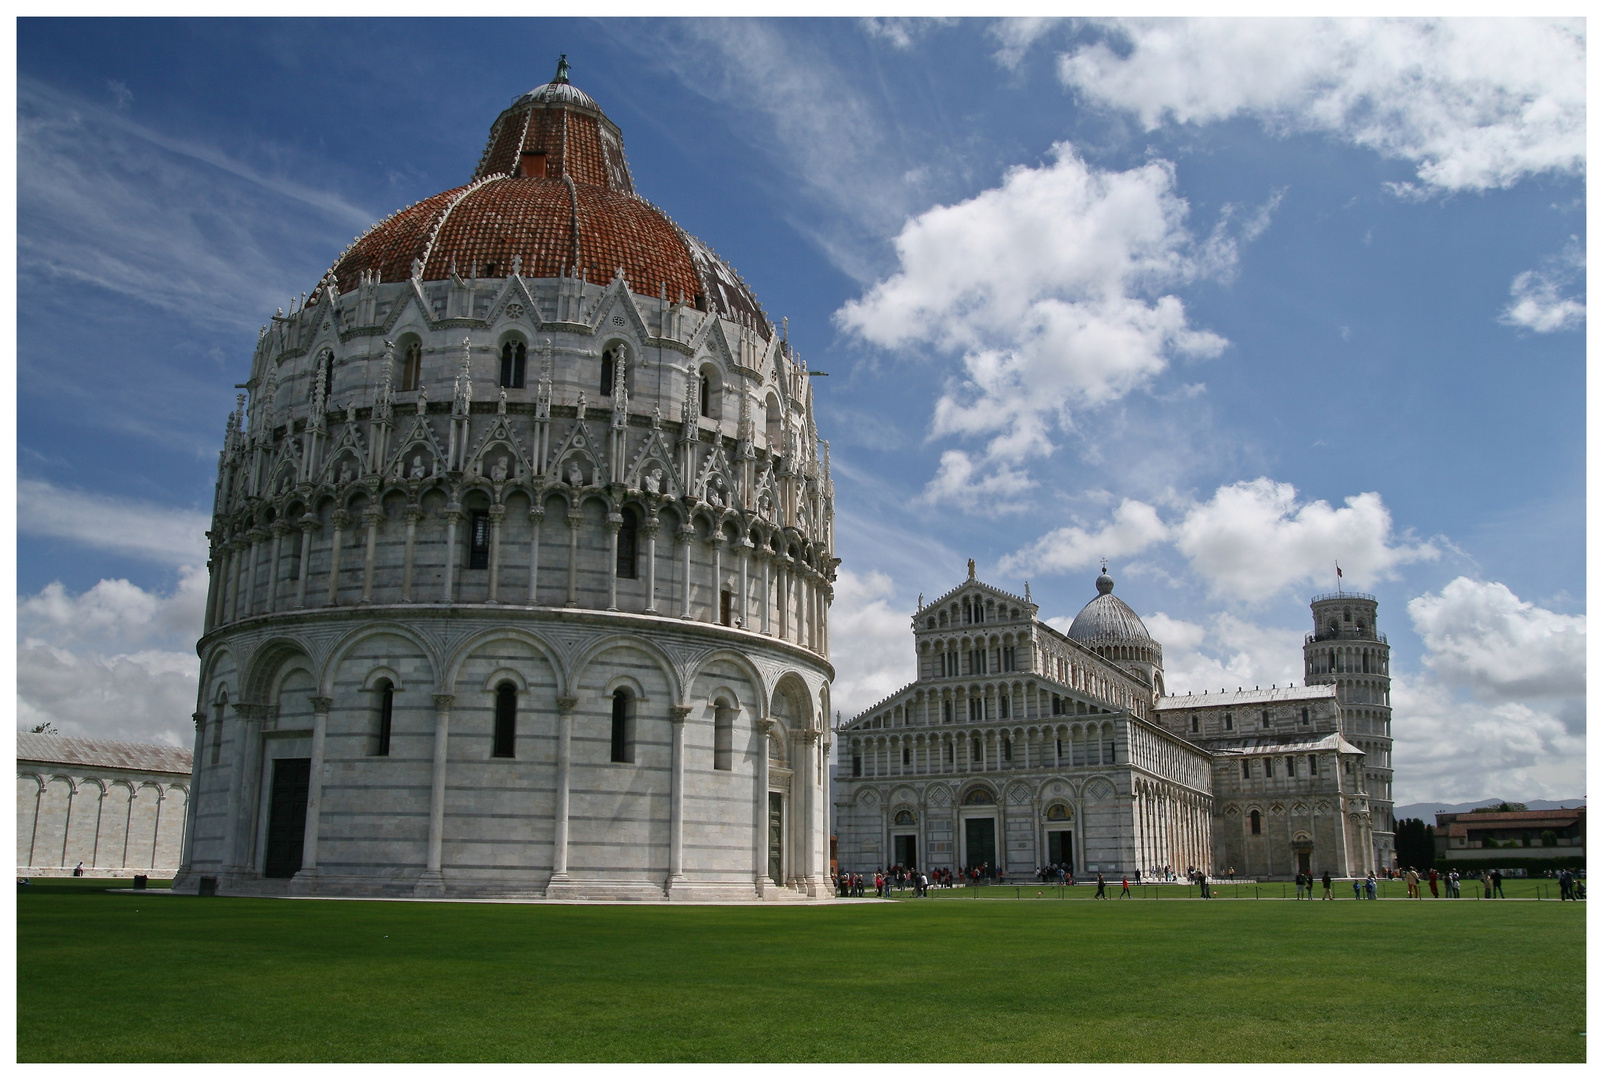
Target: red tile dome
[{"x": 552, "y": 193}]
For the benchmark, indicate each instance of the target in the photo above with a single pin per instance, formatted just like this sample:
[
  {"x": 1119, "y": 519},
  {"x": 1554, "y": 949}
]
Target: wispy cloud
[
  {"x": 1539, "y": 299},
  {"x": 162, "y": 534},
  {"x": 1472, "y": 103}
]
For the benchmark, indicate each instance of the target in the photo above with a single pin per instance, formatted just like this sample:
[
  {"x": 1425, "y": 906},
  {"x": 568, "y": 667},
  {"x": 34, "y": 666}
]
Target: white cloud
[
  {"x": 116, "y": 661},
  {"x": 1134, "y": 527},
  {"x": 870, "y": 642},
  {"x": 1254, "y": 538},
  {"x": 1049, "y": 286},
  {"x": 1540, "y": 303},
  {"x": 901, "y": 33},
  {"x": 1249, "y": 541},
  {"x": 1014, "y": 37},
  {"x": 1480, "y": 636},
  {"x": 105, "y": 201},
  {"x": 961, "y": 482},
  {"x": 1450, "y": 748},
  {"x": 127, "y": 526},
  {"x": 1472, "y": 103},
  {"x": 1228, "y": 653}
]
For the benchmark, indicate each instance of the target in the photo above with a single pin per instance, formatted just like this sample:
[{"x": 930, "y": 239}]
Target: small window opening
[
  {"x": 1257, "y": 823},
  {"x": 514, "y": 364},
  {"x": 726, "y": 607},
  {"x": 723, "y": 739},
  {"x": 506, "y": 720},
  {"x": 1246, "y": 770},
  {"x": 1230, "y": 722},
  {"x": 907, "y": 756},
  {"x": 622, "y": 750},
  {"x": 857, "y": 765},
  {"x": 706, "y": 396},
  {"x": 412, "y": 367},
  {"x": 608, "y": 359},
  {"x": 628, "y": 545},
  {"x": 1196, "y": 724},
  {"x": 386, "y": 715},
  {"x": 479, "y": 541},
  {"x": 1313, "y": 765}
]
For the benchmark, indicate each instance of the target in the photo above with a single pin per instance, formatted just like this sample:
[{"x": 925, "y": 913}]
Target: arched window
[
  {"x": 1346, "y": 614},
  {"x": 904, "y": 817},
  {"x": 506, "y": 720},
  {"x": 514, "y": 364},
  {"x": 706, "y": 396},
  {"x": 325, "y": 367},
  {"x": 946, "y": 712},
  {"x": 412, "y": 366},
  {"x": 628, "y": 544},
  {"x": 622, "y": 742},
  {"x": 1257, "y": 822},
  {"x": 479, "y": 541},
  {"x": 609, "y": 361},
  {"x": 723, "y": 738},
  {"x": 978, "y": 797},
  {"x": 386, "y": 713},
  {"x": 1057, "y": 812}
]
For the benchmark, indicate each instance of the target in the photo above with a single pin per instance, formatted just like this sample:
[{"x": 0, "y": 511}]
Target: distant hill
[{"x": 1427, "y": 811}]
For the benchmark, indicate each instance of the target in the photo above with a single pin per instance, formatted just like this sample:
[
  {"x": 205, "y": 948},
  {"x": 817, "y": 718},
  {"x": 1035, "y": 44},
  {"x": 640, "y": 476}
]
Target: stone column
[
  {"x": 309, "y": 525},
  {"x": 715, "y": 615},
  {"x": 498, "y": 514},
  {"x": 453, "y": 514},
  {"x": 574, "y": 520},
  {"x": 314, "y": 794},
  {"x": 342, "y": 521},
  {"x": 414, "y": 514},
  {"x": 536, "y": 519},
  {"x": 614, "y": 525},
  {"x": 370, "y": 517},
  {"x": 782, "y": 600},
  {"x": 650, "y": 529},
  {"x": 279, "y": 529},
  {"x": 187, "y": 854},
  {"x": 767, "y": 562},
  {"x": 744, "y": 547},
  {"x": 765, "y": 728},
  {"x": 256, "y": 535},
  {"x": 236, "y": 572},
  {"x": 218, "y": 567},
  {"x": 559, "y": 844},
  {"x": 241, "y": 804},
  {"x": 678, "y": 714},
  {"x": 432, "y": 882},
  {"x": 686, "y": 533},
  {"x": 809, "y": 776}
]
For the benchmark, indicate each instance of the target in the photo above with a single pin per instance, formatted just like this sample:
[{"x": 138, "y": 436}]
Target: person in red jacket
[{"x": 1126, "y": 890}]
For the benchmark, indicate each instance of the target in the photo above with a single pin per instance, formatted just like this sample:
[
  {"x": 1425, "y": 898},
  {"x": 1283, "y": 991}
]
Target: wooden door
[{"x": 286, "y": 817}]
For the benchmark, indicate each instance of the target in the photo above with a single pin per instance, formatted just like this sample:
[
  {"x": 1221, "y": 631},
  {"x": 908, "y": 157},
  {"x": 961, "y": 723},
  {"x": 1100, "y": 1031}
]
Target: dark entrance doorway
[
  {"x": 776, "y": 837},
  {"x": 1304, "y": 860},
  {"x": 907, "y": 851},
  {"x": 286, "y": 817},
  {"x": 980, "y": 834},
  {"x": 1060, "y": 848}
]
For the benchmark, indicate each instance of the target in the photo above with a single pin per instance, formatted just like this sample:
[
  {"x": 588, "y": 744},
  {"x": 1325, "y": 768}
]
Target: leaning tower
[{"x": 1346, "y": 649}]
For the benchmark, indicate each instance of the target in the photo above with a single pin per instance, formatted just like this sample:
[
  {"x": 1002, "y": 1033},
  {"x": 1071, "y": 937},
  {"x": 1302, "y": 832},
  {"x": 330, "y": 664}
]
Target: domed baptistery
[{"x": 521, "y": 559}]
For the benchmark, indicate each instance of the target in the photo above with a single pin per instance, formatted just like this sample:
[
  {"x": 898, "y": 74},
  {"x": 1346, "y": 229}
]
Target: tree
[
  {"x": 46, "y": 728},
  {"x": 1416, "y": 843},
  {"x": 1500, "y": 808}
]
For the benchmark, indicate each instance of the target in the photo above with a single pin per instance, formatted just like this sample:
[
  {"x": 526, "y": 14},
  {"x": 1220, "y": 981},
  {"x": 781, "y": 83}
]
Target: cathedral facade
[
  {"x": 521, "y": 559},
  {"x": 1019, "y": 747}
]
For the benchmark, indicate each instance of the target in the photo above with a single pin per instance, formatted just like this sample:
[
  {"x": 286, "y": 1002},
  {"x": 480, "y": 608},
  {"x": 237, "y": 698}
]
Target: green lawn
[{"x": 122, "y": 977}]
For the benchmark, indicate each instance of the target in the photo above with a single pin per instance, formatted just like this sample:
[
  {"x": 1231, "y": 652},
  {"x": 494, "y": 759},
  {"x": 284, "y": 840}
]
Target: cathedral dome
[
  {"x": 1107, "y": 619},
  {"x": 552, "y": 197}
]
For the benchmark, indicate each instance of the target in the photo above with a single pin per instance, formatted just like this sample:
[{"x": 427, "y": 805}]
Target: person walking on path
[
  {"x": 1497, "y": 885},
  {"x": 1358, "y": 889},
  {"x": 1369, "y": 885},
  {"x": 1486, "y": 884},
  {"x": 1126, "y": 890},
  {"x": 1326, "y": 882},
  {"x": 1434, "y": 895},
  {"x": 1412, "y": 881},
  {"x": 1101, "y": 887}
]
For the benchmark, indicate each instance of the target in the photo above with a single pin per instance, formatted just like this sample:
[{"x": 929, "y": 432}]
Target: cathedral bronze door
[
  {"x": 776, "y": 837},
  {"x": 980, "y": 845},
  {"x": 906, "y": 851},
  {"x": 1304, "y": 860},
  {"x": 1060, "y": 848},
  {"x": 286, "y": 817}
]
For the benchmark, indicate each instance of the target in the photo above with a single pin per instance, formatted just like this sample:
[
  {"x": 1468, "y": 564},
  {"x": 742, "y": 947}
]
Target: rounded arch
[
  {"x": 978, "y": 793},
  {"x": 273, "y": 660},
  {"x": 747, "y": 667},
  {"x": 465, "y": 649},
  {"x": 792, "y": 700},
  {"x": 506, "y": 674},
  {"x": 342, "y": 648},
  {"x": 625, "y": 682},
  {"x": 582, "y": 662}
]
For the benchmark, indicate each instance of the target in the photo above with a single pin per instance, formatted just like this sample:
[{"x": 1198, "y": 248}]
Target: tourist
[
  {"x": 1358, "y": 889},
  {"x": 1486, "y": 884},
  {"x": 1497, "y": 884},
  {"x": 1412, "y": 883},
  {"x": 1369, "y": 885},
  {"x": 1434, "y": 895},
  {"x": 1101, "y": 887},
  {"x": 77, "y": 871},
  {"x": 1126, "y": 890},
  {"x": 1326, "y": 882}
]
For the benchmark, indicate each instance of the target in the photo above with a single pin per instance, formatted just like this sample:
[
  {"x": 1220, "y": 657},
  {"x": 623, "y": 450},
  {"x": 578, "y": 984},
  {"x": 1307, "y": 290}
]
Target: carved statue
[
  {"x": 417, "y": 472},
  {"x": 575, "y": 474},
  {"x": 498, "y": 471},
  {"x": 581, "y": 405},
  {"x": 714, "y": 498},
  {"x": 653, "y": 481},
  {"x": 346, "y": 475}
]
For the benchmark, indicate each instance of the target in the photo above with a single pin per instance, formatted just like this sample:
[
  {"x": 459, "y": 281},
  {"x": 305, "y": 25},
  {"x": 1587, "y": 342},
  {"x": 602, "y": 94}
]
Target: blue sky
[{"x": 1224, "y": 302}]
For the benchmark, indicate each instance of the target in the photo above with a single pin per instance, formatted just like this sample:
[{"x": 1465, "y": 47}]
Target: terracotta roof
[
  {"x": 103, "y": 754},
  {"x": 501, "y": 215}
]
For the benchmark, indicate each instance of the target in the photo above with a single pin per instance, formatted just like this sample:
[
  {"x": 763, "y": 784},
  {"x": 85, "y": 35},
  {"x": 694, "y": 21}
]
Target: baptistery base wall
[{"x": 382, "y": 724}]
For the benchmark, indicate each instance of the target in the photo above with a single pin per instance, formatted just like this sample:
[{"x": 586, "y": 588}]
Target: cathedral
[
  {"x": 521, "y": 560},
  {"x": 1019, "y": 747}
]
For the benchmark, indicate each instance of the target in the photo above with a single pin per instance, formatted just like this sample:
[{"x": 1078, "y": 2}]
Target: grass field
[{"x": 122, "y": 977}]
